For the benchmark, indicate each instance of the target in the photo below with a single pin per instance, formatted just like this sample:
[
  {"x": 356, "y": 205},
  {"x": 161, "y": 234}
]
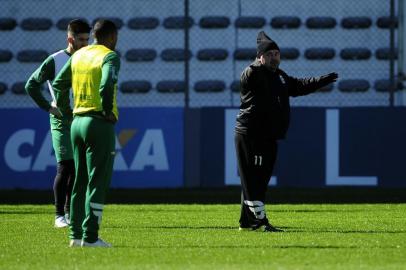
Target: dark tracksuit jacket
[{"x": 265, "y": 107}]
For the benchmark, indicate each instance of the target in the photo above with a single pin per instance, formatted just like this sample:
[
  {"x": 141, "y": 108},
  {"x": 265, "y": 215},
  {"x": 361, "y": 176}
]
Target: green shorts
[{"x": 60, "y": 131}]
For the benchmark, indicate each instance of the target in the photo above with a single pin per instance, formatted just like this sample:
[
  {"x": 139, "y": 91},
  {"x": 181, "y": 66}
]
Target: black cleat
[
  {"x": 261, "y": 228},
  {"x": 270, "y": 228}
]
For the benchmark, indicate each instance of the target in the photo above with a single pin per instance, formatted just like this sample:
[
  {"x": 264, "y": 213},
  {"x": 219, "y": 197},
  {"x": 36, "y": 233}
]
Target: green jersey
[
  {"x": 60, "y": 127},
  {"x": 45, "y": 74}
]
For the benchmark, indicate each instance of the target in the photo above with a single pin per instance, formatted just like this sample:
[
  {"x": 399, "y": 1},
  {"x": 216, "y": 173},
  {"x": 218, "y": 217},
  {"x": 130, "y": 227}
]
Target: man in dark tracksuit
[{"x": 263, "y": 120}]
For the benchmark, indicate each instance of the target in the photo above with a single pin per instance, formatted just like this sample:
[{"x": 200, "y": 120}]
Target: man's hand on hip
[{"x": 55, "y": 111}]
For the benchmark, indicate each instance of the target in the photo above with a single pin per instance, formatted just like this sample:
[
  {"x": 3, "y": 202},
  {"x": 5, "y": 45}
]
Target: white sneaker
[
  {"x": 75, "y": 242},
  {"x": 60, "y": 222},
  {"x": 98, "y": 243}
]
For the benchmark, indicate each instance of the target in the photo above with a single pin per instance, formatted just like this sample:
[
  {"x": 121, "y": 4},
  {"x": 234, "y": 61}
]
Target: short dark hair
[
  {"x": 79, "y": 26},
  {"x": 103, "y": 29}
]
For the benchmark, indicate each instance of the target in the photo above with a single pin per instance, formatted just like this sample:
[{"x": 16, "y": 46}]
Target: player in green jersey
[
  {"x": 92, "y": 74},
  {"x": 77, "y": 37}
]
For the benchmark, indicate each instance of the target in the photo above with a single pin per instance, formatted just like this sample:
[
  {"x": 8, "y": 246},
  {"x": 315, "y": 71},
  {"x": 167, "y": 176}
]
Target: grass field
[{"x": 346, "y": 236}]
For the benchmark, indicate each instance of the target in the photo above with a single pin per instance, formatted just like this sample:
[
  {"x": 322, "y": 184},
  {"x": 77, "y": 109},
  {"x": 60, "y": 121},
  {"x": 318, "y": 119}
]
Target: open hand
[{"x": 331, "y": 77}]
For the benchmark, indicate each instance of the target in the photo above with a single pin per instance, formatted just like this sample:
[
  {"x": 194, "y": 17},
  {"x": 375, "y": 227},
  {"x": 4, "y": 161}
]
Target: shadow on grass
[
  {"x": 180, "y": 227},
  {"x": 318, "y": 210},
  {"x": 22, "y": 212},
  {"x": 179, "y": 210},
  {"x": 271, "y": 210},
  {"x": 235, "y": 228},
  {"x": 250, "y": 247},
  {"x": 299, "y": 229}
]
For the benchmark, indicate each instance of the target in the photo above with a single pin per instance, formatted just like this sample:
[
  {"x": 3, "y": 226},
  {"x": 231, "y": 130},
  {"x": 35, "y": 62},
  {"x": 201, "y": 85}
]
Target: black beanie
[{"x": 265, "y": 43}]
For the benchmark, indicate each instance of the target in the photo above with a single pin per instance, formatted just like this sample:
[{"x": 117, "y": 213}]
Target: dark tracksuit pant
[
  {"x": 93, "y": 143},
  {"x": 63, "y": 184},
  {"x": 256, "y": 159}
]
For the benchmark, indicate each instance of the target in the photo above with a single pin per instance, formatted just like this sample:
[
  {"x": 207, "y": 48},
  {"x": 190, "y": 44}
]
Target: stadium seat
[
  {"x": 321, "y": 22},
  {"x": 289, "y": 53},
  {"x": 385, "y": 22},
  {"x": 139, "y": 55},
  {"x": 177, "y": 22},
  {"x": 5, "y": 55},
  {"x": 18, "y": 88},
  {"x": 353, "y": 85},
  {"x": 355, "y": 54},
  {"x": 356, "y": 22},
  {"x": 143, "y": 23},
  {"x": 327, "y": 88},
  {"x": 36, "y": 24},
  {"x": 235, "y": 86},
  {"x": 116, "y": 20},
  {"x": 62, "y": 24},
  {"x": 28, "y": 56},
  {"x": 384, "y": 85},
  {"x": 320, "y": 53},
  {"x": 287, "y": 22},
  {"x": 209, "y": 86},
  {"x": 135, "y": 86},
  {"x": 171, "y": 86},
  {"x": 7, "y": 24},
  {"x": 384, "y": 53},
  {"x": 171, "y": 55},
  {"x": 3, "y": 88},
  {"x": 245, "y": 54},
  {"x": 250, "y": 22},
  {"x": 212, "y": 54},
  {"x": 213, "y": 22}
]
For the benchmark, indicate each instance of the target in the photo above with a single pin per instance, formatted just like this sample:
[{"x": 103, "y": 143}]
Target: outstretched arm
[{"x": 304, "y": 86}]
